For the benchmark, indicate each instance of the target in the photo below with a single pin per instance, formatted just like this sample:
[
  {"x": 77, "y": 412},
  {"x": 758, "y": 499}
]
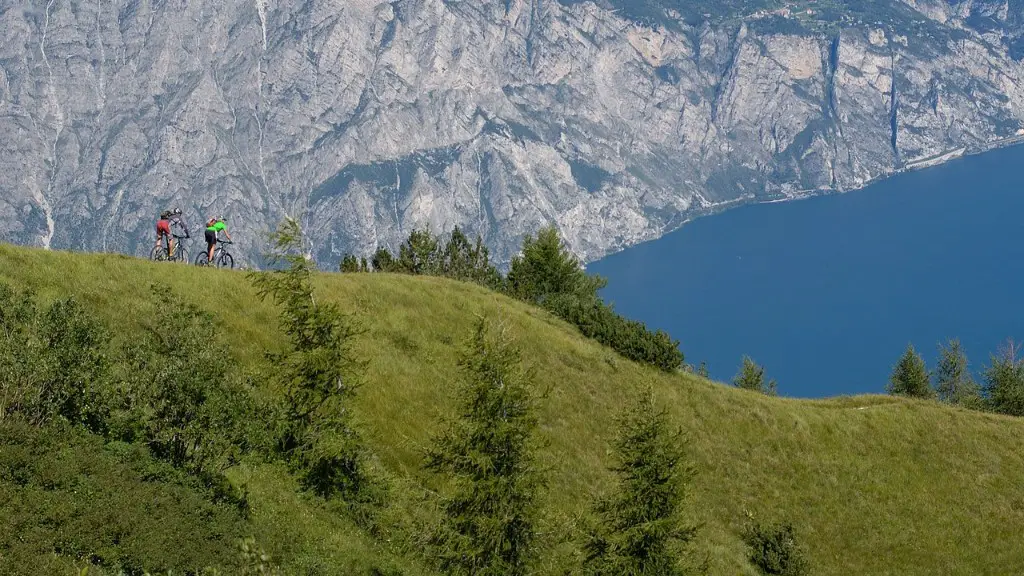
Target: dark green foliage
[
  {"x": 641, "y": 530},
  {"x": 20, "y": 349},
  {"x": 546, "y": 268},
  {"x": 419, "y": 254},
  {"x": 51, "y": 364},
  {"x": 546, "y": 273},
  {"x": 773, "y": 550},
  {"x": 456, "y": 257},
  {"x": 176, "y": 392},
  {"x": 632, "y": 339},
  {"x": 73, "y": 362},
  {"x": 751, "y": 377},
  {"x": 469, "y": 262},
  {"x": 66, "y": 500},
  {"x": 488, "y": 450},
  {"x": 910, "y": 376},
  {"x": 383, "y": 261},
  {"x": 953, "y": 381},
  {"x": 319, "y": 374},
  {"x": 168, "y": 389},
  {"x": 352, "y": 264},
  {"x": 1004, "y": 382}
]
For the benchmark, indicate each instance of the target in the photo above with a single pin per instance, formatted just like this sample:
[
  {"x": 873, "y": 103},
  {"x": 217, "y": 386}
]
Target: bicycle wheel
[
  {"x": 158, "y": 254},
  {"x": 180, "y": 254},
  {"x": 225, "y": 261},
  {"x": 202, "y": 259}
]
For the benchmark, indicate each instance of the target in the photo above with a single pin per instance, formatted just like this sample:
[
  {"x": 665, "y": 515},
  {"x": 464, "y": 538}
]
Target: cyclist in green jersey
[{"x": 213, "y": 226}]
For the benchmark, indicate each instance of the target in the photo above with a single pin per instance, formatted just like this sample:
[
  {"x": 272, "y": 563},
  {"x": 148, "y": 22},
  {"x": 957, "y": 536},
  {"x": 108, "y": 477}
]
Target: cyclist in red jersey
[
  {"x": 163, "y": 230},
  {"x": 171, "y": 226}
]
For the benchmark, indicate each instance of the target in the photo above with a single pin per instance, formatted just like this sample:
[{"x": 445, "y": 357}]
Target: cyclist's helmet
[
  {"x": 165, "y": 214},
  {"x": 177, "y": 212}
]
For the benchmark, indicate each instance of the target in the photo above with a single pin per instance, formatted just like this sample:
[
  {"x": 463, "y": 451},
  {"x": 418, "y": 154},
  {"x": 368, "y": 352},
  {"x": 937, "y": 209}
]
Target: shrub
[
  {"x": 469, "y": 262},
  {"x": 632, "y": 339},
  {"x": 383, "y": 261},
  {"x": 419, "y": 254},
  {"x": 350, "y": 263},
  {"x": 702, "y": 370},
  {"x": 424, "y": 253},
  {"x": 751, "y": 377},
  {"x": 773, "y": 550},
  {"x": 65, "y": 497},
  {"x": 74, "y": 363},
  {"x": 51, "y": 364},
  {"x": 177, "y": 393}
]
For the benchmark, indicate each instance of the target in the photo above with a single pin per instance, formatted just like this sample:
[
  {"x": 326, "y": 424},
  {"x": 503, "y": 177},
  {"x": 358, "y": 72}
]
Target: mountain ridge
[{"x": 616, "y": 121}]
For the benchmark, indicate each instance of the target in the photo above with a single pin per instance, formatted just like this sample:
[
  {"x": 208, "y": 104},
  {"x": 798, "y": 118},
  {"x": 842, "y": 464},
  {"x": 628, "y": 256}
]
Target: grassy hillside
[{"x": 874, "y": 485}]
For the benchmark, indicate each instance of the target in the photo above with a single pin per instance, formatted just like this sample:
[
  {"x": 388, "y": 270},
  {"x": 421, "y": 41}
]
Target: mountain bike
[
  {"x": 221, "y": 257},
  {"x": 159, "y": 253}
]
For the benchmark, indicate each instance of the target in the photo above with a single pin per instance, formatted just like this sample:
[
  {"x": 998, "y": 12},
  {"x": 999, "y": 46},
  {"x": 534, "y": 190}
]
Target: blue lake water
[{"x": 826, "y": 293}]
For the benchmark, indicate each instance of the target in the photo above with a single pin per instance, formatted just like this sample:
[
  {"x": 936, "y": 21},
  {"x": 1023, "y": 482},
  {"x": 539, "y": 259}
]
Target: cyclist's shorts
[
  {"x": 163, "y": 228},
  {"x": 211, "y": 237}
]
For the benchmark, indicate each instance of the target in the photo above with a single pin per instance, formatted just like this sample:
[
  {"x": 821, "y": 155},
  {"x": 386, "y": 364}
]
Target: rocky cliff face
[{"x": 366, "y": 118}]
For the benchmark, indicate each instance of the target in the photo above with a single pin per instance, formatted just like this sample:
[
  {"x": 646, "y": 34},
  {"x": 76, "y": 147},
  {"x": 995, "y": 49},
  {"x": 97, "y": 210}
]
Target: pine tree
[
  {"x": 419, "y": 254},
  {"x": 319, "y": 373},
  {"x": 910, "y": 376},
  {"x": 464, "y": 261},
  {"x": 546, "y": 268},
  {"x": 457, "y": 257},
  {"x": 640, "y": 529},
  {"x": 1004, "y": 381},
  {"x": 383, "y": 261},
  {"x": 488, "y": 450},
  {"x": 953, "y": 381},
  {"x": 751, "y": 377},
  {"x": 349, "y": 263}
]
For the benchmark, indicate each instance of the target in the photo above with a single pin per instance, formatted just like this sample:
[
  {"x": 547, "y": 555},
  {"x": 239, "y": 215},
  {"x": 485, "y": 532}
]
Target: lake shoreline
[
  {"x": 714, "y": 209},
  {"x": 805, "y": 287}
]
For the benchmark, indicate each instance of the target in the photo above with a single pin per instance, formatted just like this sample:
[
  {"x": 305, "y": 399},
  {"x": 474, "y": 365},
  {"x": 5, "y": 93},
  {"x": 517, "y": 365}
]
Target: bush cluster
[
  {"x": 545, "y": 273},
  {"x": 81, "y": 415},
  {"x": 773, "y": 549}
]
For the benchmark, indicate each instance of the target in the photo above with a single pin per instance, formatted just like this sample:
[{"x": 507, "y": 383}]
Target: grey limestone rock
[{"x": 366, "y": 119}]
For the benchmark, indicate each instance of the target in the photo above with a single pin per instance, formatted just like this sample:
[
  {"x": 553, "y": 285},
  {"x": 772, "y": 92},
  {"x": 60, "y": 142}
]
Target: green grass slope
[{"x": 874, "y": 485}]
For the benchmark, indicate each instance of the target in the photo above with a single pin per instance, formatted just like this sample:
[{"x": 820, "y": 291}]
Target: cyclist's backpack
[{"x": 178, "y": 227}]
